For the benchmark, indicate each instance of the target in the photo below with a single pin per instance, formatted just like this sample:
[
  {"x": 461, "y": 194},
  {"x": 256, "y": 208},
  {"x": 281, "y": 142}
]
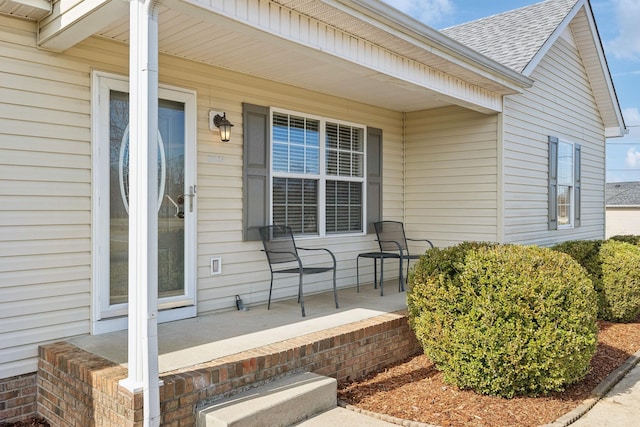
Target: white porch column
[{"x": 143, "y": 204}]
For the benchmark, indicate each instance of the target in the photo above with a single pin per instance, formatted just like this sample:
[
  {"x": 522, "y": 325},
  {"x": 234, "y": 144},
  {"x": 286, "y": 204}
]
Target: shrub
[
  {"x": 504, "y": 319},
  {"x": 587, "y": 253},
  {"x": 621, "y": 280},
  {"x": 448, "y": 261},
  {"x": 627, "y": 238}
]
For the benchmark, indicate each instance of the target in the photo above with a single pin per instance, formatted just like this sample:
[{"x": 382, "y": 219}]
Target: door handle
[
  {"x": 179, "y": 202},
  {"x": 191, "y": 194},
  {"x": 179, "y": 209}
]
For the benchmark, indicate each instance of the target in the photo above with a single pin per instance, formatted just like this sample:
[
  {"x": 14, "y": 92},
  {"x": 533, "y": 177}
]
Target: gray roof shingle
[
  {"x": 513, "y": 38},
  {"x": 622, "y": 194}
]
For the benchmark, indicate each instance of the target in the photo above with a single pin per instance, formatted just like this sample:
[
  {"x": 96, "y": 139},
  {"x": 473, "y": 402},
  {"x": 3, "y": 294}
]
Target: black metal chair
[
  {"x": 280, "y": 248},
  {"x": 392, "y": 238}
]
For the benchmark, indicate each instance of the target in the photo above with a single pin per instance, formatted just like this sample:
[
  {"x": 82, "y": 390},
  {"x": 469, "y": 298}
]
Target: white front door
[{"x": 176, "y": 202}]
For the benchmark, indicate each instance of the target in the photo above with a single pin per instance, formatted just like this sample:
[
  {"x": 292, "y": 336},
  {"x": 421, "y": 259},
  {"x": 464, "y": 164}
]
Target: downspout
[
  {"x": 404, "y": 167},
  {"x": 142, "y": 358},
  {"x": 500, "y": 186}
]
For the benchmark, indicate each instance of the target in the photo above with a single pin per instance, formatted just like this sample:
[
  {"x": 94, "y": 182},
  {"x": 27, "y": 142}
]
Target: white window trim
[
  {"x": 114, "y": 317},
  {"x": 322, "y": 176},
  {"x": 571, "y": 214}
]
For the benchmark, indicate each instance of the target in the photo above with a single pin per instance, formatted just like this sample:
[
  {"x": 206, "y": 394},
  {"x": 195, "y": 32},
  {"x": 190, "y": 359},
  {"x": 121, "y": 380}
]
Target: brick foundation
[
  {"x": 17, "y": 398},
  {"x": 76, "y": 388}
]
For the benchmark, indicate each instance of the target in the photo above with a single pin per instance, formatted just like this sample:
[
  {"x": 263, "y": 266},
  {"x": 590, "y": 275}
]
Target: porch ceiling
[
  {"x": 318, "y": 46},
  {"x": 227, "y": 45}
]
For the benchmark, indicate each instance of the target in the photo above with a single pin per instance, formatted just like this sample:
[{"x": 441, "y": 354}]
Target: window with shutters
[
  {"x": 564, "y": 184},
  {"x": 317, "y": 174}
]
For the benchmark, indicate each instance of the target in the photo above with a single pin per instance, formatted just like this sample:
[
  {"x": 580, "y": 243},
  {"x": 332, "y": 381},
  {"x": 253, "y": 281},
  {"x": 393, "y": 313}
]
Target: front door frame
[{"x": 107, "y": 318}]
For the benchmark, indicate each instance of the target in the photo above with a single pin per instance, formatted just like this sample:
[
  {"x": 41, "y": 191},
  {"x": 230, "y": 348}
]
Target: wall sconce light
[{"x": 218, "y": 121}]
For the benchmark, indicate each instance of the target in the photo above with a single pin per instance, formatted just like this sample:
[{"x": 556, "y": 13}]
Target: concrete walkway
[
  {"x": 621, "y": 405},
  {"x": 341, "y": 417}
]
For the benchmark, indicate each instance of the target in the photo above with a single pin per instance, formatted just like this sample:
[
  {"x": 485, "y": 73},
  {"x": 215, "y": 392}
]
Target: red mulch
[
  {"x": 414, "y": 390},
  {"x": 31, "y": 422}
]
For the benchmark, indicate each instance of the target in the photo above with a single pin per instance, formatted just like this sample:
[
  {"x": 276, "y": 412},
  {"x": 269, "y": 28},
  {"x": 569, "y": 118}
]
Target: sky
[{"x": 618, "y": 23}]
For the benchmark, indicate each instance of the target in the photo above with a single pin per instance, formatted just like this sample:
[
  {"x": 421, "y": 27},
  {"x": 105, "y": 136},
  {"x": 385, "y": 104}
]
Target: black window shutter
[
  {"x": 576, "y": 190},
  {"x": 553, "y": 183},
  {"x": 374, "y": 177},
  {"x": 255, "y": 213}
]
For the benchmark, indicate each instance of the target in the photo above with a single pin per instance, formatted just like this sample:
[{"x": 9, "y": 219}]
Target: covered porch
[
  {"x": 212, "y": 356},
  {"x": 365, "y": 65}
]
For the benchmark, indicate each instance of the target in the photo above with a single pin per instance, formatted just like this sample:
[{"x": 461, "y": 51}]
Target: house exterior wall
[
  {"x": 46, "y": 177},
  {"x": 623, "y": 220},
  {"x": 559, "y": 104},
  {"x": 451, "y": 192}
]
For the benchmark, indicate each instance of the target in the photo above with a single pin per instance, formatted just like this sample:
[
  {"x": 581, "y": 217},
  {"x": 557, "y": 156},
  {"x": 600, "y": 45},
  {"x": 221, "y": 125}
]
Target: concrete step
[{"x": 277, "y": 404}]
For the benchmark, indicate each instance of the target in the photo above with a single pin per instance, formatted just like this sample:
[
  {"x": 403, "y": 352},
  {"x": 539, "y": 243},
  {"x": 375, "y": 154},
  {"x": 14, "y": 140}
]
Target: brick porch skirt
[
  {"x": 77, "y": 388},
  {"x": 17, "y": 398}
]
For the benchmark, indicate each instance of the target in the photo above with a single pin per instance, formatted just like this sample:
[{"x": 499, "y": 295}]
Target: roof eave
[
  {"x": 615, "y": 128},
  {"x": 421, "y": 34},
  {"x": 620, "y": 128}
]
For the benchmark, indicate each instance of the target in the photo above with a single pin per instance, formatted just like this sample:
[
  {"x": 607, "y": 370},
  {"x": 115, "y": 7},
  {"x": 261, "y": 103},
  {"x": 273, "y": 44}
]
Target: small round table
[{"x": 377, "y": 256}]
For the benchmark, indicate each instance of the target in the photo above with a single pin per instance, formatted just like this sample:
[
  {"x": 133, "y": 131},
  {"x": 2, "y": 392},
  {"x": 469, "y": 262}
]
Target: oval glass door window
[{"x": 123, "y": 169}]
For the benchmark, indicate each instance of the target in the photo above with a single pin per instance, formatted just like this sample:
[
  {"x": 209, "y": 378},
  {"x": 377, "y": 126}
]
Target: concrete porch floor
[{"x": 193, "y": 341}]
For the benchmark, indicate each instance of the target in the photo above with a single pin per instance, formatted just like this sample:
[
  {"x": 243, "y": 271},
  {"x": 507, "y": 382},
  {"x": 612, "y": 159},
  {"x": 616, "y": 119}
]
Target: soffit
[
  {"x": 27, "y": 9},
  {"x": 597, "y": 69},
  {"x": 225, "y": 43},
  {"x": 186, "y": 37}
]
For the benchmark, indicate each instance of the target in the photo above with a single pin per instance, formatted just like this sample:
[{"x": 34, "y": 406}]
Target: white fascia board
[
  {"x": 407, "y": 28},
  {"x": 610, "y": 131},
  {"x": 73, "y": 21},
  {"x": 614, "y": 132},
  {"x": 552, "y": 39},
  {"x": 620, "y": 128}
]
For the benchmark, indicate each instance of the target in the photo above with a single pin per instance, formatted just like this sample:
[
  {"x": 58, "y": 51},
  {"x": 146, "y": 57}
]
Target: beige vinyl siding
[
  {"x": 559, "y": 104},
  {"x": 623, "y": 220},
  {"x": 45, "y": 190},
  {"x": 45, "y": 187},
  {"x": 451, "y": 175}
]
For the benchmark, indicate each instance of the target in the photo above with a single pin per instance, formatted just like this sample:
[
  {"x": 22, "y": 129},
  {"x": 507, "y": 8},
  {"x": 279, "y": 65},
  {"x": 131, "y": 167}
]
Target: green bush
[
  {"x": 504, "y": 319},
  {"x": 448, "y": 261},
  {"x": 587, "y": 253},
  {"x": 621, "y": 280},
  {"x": 627, "y": 238}
]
